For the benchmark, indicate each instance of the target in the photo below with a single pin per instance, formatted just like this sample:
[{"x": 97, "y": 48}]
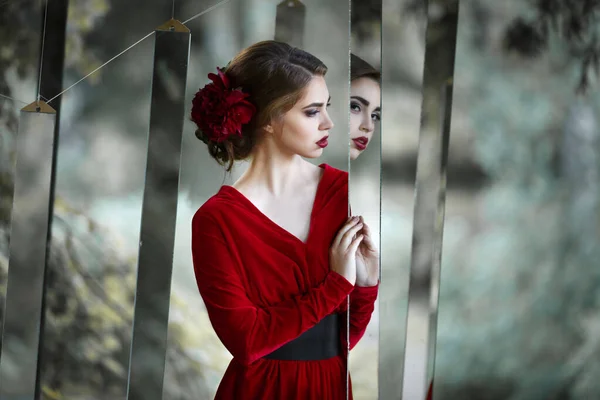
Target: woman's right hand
[{"x": 342, "y": 253}]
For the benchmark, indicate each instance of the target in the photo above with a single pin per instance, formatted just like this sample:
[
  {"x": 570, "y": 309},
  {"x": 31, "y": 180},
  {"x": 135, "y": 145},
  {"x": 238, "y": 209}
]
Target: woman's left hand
[{"x": 367, "y": 259}]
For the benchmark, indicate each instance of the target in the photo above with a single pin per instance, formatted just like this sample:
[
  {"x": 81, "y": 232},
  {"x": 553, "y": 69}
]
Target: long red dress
[{"x": 263, "y": 287}]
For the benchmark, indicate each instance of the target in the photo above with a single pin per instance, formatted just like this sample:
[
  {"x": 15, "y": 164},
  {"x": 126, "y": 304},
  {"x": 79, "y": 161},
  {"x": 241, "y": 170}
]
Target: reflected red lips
[
  {"x": 361, "y": 142},
  {"x": 323, "y": 142}
]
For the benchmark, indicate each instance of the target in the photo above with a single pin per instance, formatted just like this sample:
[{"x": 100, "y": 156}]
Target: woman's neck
[{"x": 273, "y": 170}]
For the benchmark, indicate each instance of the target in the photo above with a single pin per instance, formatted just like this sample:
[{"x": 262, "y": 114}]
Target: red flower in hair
[{"x": 220, "y": 111}]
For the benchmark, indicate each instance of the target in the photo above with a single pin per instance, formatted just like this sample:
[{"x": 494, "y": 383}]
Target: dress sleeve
[
  {"x": 362, "y": 304},
  {"x": 248, "y": 331},
  {"x": 430, "y": 391}
]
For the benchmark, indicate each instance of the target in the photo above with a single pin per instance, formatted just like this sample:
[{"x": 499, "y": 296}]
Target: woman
[
  {"x": 365, "y": 104},
  {"x": 275, "y": 254}
]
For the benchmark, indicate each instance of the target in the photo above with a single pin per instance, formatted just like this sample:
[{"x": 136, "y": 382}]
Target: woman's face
[
  {"x": 304, "y": 129},
  {"x": 365, "y": 113}
]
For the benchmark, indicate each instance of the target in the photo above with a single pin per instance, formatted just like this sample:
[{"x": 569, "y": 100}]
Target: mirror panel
[
  {"x": 18, "y": 88},
  {"x": 403, "y": 50},
  {"x": 430, "y": 192},
  {"x": 365, "y": 172}
]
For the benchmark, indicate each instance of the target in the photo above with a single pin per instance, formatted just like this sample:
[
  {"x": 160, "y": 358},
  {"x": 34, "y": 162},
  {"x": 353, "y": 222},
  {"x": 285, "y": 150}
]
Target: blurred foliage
[
  {"x": 575, "y": 22},
  {"x": 90, "y": 297},
  {"x": 520, "y": 289}
]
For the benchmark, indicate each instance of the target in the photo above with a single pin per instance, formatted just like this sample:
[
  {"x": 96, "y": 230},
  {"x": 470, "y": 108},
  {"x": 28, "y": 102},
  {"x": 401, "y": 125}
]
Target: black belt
[{"x": 320, "y": 342}]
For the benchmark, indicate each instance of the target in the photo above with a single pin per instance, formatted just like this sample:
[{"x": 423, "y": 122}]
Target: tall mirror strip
[
  {"x": 402, "y": 59},
  {"x": 365, "y": 110},
  {"x": 159, "y": 209},
  {"x": 21, "y": 336},
  {"x": 440, "y": 44}
]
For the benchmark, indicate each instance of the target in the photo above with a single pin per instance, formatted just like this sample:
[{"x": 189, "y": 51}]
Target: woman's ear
[
  {"x": 273, "y": 127},
  {"x": 269, "y": 128}
]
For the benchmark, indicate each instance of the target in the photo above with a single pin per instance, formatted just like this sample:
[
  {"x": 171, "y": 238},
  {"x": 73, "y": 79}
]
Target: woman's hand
[
  {"x": 343, "y": 250},
  {"x": 367, "y": 258}
]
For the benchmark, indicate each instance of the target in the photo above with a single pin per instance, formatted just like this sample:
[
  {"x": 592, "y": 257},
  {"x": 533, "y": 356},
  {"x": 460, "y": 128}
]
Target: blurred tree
[{"x": 575, "y": 22}]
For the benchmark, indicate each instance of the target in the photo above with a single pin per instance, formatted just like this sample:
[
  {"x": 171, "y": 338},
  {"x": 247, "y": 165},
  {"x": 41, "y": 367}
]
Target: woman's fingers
[
  {"x": 366, "y": 227},
  {"x": 355, "y": 243},
  {"x": 338, "y": 238},
  {"x": 368, "y": 240},
  {"x": 349, "y": 235}
]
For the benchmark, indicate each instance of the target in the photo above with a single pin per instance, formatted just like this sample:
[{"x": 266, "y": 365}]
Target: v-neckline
[{"x": 276, "y": 225}]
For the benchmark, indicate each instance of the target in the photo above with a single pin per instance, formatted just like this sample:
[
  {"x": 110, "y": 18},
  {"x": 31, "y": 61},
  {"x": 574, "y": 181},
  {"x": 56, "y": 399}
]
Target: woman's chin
[
  {"x": 354, "y": 153},
  {"x": 313, "y": 154}
]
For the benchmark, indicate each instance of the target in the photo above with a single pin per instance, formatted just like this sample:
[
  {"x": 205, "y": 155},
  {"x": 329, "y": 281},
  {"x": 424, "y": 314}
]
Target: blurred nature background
[{"x": 519, "y": 313}]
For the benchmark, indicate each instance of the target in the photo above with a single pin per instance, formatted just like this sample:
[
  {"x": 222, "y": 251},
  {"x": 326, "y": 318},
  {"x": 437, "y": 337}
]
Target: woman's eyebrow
[
  {"x": 362, "y": 100},
  {"x": 317, "y": 104}
]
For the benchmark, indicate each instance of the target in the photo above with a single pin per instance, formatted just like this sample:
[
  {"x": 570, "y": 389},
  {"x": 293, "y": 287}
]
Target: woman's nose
[
  {"x": 327, "y": 124},
  {"x": 367, "y": 125}
]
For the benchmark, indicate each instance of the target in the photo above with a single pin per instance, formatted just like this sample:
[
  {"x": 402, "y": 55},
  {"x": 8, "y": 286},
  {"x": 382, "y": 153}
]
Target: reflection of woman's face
[{"x": 365, "y": 112}]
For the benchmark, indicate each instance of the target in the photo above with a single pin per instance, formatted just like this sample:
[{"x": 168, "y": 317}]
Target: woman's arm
[
  {"x": 362, "y": 298},
  {"x": 362, "y": 304},
  {"x": 248, "y": 331}
]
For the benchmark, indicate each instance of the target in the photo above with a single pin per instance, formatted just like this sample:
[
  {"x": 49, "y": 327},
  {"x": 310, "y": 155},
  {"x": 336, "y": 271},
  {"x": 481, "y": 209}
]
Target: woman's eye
[
  {"x": 312, "y": 113},
  {"x": 376, "y": 117},
  {"x": 355, "y": 107}
]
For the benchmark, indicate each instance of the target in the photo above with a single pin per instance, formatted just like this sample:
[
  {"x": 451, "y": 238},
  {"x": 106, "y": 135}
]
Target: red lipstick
[
  {"x": 361, "y": 142},
  {"x": 323, "y": 142}
]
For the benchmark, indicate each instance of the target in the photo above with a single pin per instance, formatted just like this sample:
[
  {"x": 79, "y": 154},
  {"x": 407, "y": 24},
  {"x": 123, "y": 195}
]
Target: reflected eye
[{"x": 354, "y": 107}]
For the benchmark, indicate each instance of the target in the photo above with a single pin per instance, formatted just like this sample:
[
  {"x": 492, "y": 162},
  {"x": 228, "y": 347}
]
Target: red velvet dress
[{"x": 263, "y": 287}]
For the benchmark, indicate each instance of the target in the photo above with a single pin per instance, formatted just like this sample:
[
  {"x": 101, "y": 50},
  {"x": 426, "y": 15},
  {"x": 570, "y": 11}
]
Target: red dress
[{"x": 263, "y": 287}]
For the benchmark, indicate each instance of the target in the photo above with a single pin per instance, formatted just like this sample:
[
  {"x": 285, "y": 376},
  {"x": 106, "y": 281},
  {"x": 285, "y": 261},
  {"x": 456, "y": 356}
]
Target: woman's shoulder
[
  {"x": 335, "y": 172},
  {"x": 215, "y": 208},
  {"x": 334, "y": 176}
]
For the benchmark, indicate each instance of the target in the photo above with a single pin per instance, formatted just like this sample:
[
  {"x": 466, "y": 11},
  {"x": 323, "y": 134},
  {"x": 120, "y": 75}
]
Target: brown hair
[
  {"x": 359, "y": 68},
  {"x": 275, "y": 75}
]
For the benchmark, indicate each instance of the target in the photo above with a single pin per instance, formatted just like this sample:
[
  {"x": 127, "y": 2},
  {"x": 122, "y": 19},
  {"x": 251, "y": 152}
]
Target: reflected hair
[
  {"x": 359, "y": 68},
  {"x": 275, "y": 76}
]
